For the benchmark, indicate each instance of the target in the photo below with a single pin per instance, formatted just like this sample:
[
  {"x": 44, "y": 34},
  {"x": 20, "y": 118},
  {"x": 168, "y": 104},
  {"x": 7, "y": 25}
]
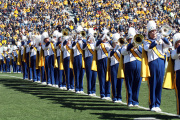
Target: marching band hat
[
  {"x": 4, "y": 48},
  {"x": 44, "y": 36},
  {"x": 105, "y": 31},
  {"x": 55, "y": 33},
  {"x": 176, "y": 38},
  {"x": 79, "y": 29},
  {"x": 37, "y": 39},
  {"x": 18, "y": 44},
  {"x": 151, "y": 26},
  {"x": 66, "y": 37},
  {"x": 90, "y": 32},
  {"x": 59, "y": 34},
  {"x": 116, "y": 37},
  {"x": 24, "y": 38},
  {"x": 131, "y": 33},
  {"x": 14, "y": 47}
]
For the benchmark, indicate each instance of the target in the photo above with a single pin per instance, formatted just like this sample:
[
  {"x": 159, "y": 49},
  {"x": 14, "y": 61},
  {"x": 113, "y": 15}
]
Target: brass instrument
[
  {"x": 122, "y": 41},
  {"x": 109, "y": 34},
  {"x": 65, "y": 32},
  {"x": 166, "y": 30},
  {"x": 138, "y": 40},
  {"x": 83, "y": 33}
]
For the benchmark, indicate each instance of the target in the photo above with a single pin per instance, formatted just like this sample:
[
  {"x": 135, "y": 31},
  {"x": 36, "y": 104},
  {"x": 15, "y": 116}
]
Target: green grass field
[{"x": 25, "y": 100}]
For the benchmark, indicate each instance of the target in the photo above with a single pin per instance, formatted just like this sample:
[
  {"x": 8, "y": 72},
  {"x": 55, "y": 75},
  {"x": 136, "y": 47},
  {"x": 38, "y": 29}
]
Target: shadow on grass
[{"x": 79, "y": 102}]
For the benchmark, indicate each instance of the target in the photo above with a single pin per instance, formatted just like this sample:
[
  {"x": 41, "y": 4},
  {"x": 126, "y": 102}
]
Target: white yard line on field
[{"x": 141, "y": 107}]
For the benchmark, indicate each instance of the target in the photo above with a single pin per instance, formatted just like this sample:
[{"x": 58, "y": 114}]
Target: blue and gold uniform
[
  {"x": 132, "y": 61},
  {"x": 91, "y": 75},
  {"x": 103, "y": 47},
  {"x": 66, "y": 49},
  {"x": 175, "y": 54},
  {"x": 114, "y": 56},
  {"x": 156, "y": 61},
  {"x": 46, "y": 56},
  {"x": 78, "y": 61}
]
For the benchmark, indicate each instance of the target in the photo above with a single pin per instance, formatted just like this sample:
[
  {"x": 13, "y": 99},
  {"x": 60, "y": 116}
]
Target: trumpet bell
[
  {"x": 122, "y": 41},
  {"x": 166, "y": 30},
  {"x": 138, "y": 39},
  {"x": 83, "y": 33},
  {"x": 65, "y": 32}
]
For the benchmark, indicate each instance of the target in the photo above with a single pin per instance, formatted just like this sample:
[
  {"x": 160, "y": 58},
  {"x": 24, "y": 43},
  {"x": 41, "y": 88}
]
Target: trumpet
[
  {"x": 83, "y": 33},
  {"x": 65, "y": 32},
  {"x": 122, "y": 41},
  {"x": 166, "y": 30},
  {"x": 138, "y": 40}
]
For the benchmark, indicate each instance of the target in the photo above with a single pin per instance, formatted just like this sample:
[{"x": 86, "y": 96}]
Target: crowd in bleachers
[{"x": 21, "y": 17}]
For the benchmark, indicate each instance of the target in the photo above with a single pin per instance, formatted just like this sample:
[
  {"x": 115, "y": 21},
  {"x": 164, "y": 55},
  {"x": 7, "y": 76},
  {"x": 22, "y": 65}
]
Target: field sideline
[{"x": 25, "y": 100}]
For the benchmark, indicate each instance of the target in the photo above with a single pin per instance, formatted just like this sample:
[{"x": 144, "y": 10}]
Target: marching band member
[
  {"x": 66, "y": 48},
  {"x": 132, "y": 61},
  {"x": 50, "y": 46},
  {"x": 103, "y": 47},
  {"x": 18, "y": 51},
  {"x": 8, "y": 58},
  {"x": 1, "y": 57},
  {"x": 154, "y": 47},
  {"x": 42, "y": 61},
  {"x": 45, "y": 41},
  {"x": 1, "y": 62},
  {"x": 114, "y": 56},
  {"x": 4, "y": 54},
  {"x": 29, "y": 69},
  {"x": 54, "y": 58},
  {"x": 175, "y": 54},
  {"x": 91, "y": 75},
  {"x": 14, "y": 54},
  {"x": 78, "y": 61},
  {"x": 59, "y": 73},
  {"x": 23, "y": 60},
  {"x": 38, "y": 47},
  {"x": 33, "y": 52}
]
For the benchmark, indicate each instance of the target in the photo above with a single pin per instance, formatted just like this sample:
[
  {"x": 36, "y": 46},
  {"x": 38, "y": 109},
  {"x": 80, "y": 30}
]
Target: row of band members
[{"x": 56, "y": 67}]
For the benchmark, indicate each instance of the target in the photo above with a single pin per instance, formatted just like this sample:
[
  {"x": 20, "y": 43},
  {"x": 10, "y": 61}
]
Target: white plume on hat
[
  {"x": 18, "y": 44},
  {"x": 105, "y": 31},
  {"x": 59, "y": 34},
  {"x": 24, "y": 38},
  {"x": 44, "y": 36},
  {"x": 30, "y": 35},
  {"x": 90, "y": 32},
  {"x": 4, "y": 48},
  {"x": 176, "y": 38},
  {"x": 79, "y": 29},
  {"x": 37, "y": 39},
  {"x": 54, "y": 36},
  {"x": 14, "y": 47},
  {"x": 116, "y": 37},
  {"x": 151, "y": 26},
  {"x": 131, "y": 32},
  {"x": 55, "y": 33}
]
